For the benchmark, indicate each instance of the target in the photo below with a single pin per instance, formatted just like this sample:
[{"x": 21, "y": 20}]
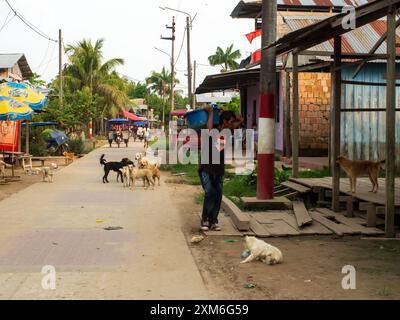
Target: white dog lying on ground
[{"x": 262, "y": 251}]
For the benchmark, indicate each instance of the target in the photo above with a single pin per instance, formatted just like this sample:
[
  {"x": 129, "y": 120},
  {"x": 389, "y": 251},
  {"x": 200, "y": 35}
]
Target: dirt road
[{"x": 58, "y": 225}]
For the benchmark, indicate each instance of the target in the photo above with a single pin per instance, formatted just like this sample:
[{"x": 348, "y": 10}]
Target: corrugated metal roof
[
  {"x": 360, "y": 40},
  {"x": 252, "y": 8},
  {"x": 9, "y": 60}
]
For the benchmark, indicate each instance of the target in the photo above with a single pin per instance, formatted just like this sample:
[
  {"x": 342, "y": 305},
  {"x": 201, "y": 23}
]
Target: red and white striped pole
[{"x": 266, "y": 138}]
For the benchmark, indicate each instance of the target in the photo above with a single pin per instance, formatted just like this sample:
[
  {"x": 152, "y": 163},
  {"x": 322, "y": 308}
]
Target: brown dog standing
[{"x": 355, "y": 169}]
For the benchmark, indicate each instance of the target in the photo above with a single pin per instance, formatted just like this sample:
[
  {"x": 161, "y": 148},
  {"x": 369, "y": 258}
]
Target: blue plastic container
[{"x": 198, "y": 119}]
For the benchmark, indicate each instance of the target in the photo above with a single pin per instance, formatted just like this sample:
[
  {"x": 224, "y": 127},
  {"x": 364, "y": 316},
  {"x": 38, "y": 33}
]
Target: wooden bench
[
  {"x": 44, "y": 159},
  {"x": 26, "y": 162}
]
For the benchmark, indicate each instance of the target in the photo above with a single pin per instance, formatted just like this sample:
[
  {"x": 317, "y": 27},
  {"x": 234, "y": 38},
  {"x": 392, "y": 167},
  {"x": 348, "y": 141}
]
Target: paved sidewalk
[{"x": 55, "y": 224}]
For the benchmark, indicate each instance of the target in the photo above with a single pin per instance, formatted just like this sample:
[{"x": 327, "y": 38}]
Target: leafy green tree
[
  {"x": 138, "y": 90},
  {"x": 156, "y": 79},
  {"x": 227, "y": 59},
  {"x": 36, "y": 80},
  {"x": 91, "y": 82},
  {"x": 234, "y": 105}
]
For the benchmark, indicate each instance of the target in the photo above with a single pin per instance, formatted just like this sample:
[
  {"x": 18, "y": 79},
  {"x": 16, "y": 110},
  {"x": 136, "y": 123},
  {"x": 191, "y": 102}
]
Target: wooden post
[
  {"x": 391, "y": 124},
  {"x": 194, "y": 85},
  {"x": 189, "y": 61},
  {"x": 163, "y": 102},
  {"x": 288, "y": 118},
  {"x": 60, "y": 67},
  {"x": 173, "y": 67},
  {"x": 266, "y": 140},
  {"x": 295, "y": 126},
  {"x": 337, "y": 99}
]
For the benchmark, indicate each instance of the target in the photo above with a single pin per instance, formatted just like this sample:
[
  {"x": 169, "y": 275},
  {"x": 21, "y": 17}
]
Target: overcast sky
[{"x": 131, "y": 28}]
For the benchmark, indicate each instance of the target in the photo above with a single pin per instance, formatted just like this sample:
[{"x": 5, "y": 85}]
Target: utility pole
[
  {"x": 163, "y": 102},
  {"x": 266, "y": 154},
  {"x": 194, "y": 85},
  {"x": 173, "y": 28},
  {"x": 189, "y": 61},
  {"x": 60, "y": 75}
]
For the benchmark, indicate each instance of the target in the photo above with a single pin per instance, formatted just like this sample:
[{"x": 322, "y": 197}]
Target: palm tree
[
  {"x": 156, "y": 79},
  {"x": 88, "y": 70},
  {"x": 227, "y": 59}
]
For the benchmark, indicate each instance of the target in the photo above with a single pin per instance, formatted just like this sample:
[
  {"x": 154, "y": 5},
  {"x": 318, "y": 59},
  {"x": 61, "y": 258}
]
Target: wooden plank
[
  {"x": 314, "y": 229},
  {"x": 296, "y": 187},
  {"x": 240, "y": 219},
  {"x": 279, "y": 228},
  {"x": 282, "y": 192},
  {"x": 327, "y": 213},
  {"x": 278, "y": 203},
  {"x": 292, "y": 195},
  {"x": 353, "y": 224},
  {"x": 302, "y": 215},
  {"x": 338, "y": 229},
  {"x": 359, "y": 228},
  {"x": 259, "y": 229}
]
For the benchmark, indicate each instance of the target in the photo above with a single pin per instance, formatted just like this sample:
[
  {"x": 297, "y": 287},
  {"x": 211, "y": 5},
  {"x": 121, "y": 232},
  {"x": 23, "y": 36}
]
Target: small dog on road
[
  {"x": 144, "y": 164},
  {"x": 355, "y": 169},
  {"x": 48, "y": 172},
  {"x": 262, "y": 251},
  {"x": 144, "y": 174}
]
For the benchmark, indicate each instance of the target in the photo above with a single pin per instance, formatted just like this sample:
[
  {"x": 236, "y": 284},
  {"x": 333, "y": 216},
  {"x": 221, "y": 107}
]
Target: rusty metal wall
[{"x": 364, "y": 133}]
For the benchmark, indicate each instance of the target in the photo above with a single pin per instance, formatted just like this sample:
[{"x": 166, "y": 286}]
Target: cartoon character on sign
[
  {"x": 17, "y": 93},
  {"x": 15, "y": 104}
]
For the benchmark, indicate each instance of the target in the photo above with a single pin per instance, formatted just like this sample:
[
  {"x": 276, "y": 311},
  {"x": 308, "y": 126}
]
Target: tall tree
[
  {"x": 227, "y": 59},
  {"x": 155, "y": 81},
  {"x": 87, "y": 68}
]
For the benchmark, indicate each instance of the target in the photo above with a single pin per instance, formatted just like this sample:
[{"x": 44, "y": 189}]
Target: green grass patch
[
  {"x": 191, "y": 172},
  {"x": 309, "y": 174}
]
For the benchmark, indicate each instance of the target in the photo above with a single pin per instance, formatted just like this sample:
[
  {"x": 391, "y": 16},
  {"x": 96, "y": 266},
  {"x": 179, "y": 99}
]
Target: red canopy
[{"x": 132, "y": 117}]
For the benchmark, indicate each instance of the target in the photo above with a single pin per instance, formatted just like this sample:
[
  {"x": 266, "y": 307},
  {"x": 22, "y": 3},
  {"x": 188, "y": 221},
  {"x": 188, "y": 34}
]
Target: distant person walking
[{"x": 147, "y": 137}]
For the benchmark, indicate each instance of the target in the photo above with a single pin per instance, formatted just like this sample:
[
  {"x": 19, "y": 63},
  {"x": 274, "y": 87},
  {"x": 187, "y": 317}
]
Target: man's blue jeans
[{"x": 213, "y": 187}]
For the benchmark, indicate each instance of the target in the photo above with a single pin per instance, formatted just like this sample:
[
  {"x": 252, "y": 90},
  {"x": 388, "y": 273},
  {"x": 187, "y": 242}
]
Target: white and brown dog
[
  {"x": 142, "y": 174},
  {"x": 262, "y": 251},
  {"x": 3, "y": 167}
]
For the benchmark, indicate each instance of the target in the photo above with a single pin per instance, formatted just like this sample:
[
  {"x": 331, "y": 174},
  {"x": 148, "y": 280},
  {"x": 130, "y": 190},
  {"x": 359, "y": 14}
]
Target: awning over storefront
[
  {"x": 132, "y": 117},
  {"x": 230, "y": 80}
]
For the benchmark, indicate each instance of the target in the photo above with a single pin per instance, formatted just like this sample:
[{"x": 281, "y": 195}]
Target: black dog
[{"x": 114, "y": 166}]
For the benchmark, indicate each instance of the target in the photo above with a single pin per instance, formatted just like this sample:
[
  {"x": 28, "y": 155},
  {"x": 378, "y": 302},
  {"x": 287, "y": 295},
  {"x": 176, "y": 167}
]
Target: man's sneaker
[
  {"x": 205, "y": 226},
  {"x": 216, "y": 227}
]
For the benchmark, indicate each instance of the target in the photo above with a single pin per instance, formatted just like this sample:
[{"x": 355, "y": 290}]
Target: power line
[
  {"x": 7, "y": 22},
  {"x": 29, "y": 24},
  {"x": 180, "y": 50},
  {"x": 45, "y": 56}
]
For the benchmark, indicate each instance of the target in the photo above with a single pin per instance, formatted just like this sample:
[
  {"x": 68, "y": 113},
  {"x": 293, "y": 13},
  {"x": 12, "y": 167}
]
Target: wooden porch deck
[{"x": 363, "y": 188}]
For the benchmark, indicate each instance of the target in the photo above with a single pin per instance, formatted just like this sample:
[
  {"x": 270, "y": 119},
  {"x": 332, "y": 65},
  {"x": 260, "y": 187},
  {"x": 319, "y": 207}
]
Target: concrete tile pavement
[{"x": 55, "y": 224}]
